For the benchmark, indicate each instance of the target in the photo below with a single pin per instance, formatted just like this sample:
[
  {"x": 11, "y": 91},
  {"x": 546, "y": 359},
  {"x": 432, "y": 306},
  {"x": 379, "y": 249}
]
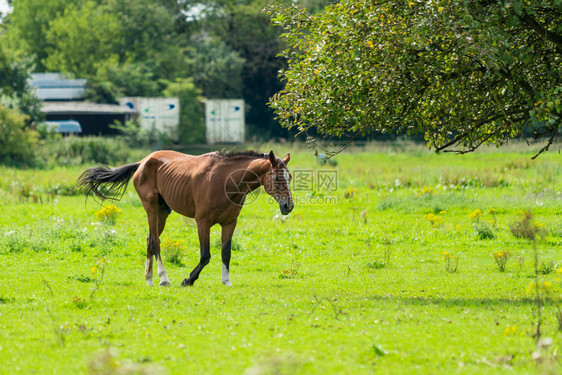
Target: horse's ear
[
  {"x": 272, "y": 159},
  {"x": 286, "y": 159}
]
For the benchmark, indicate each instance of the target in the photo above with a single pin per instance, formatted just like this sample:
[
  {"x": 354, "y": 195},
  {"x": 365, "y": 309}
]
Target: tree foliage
[
  {"x": 192, "y": 126},
  {"x": 228, "y": 48},
  {"x": 463, "y": 73},
  {"x": 17, "y": 141},
  {"x": 15, "y": 91},
  {"x": 248, "y": 31},
  {"x": 217, "y": 69},
  {"x": 82, "y": 39},
  {"x": 29, "y": 24},
  {"x": 122, "y": 47}
]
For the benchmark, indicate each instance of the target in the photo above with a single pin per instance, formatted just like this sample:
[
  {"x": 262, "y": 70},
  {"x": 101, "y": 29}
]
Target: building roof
[{"x": 84, "y": 108}]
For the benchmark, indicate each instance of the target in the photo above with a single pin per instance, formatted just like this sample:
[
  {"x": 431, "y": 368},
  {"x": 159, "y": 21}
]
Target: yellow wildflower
[
  {"x": 475, "y": 214},
  {"x": 426, "y": 190},
  {"x": 510, "y": 330},
  {"x": 108, "y": 213},
  {"x": 434, "y": 219}
]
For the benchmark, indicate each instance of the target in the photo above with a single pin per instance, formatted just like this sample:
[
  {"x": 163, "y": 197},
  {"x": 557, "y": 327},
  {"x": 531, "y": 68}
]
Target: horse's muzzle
[{"x": 286, "y": 207}]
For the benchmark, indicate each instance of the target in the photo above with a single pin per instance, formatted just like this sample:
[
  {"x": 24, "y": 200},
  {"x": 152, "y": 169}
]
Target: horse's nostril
[{"x": 286, "y": 207}]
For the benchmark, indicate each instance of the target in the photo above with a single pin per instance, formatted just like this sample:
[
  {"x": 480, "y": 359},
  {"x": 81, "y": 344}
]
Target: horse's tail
[{"x": 116, "y": 180}]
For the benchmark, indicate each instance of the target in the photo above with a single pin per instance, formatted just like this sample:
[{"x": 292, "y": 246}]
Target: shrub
[
  {"x": 17, "y": 142},
  {"x": 133, "y": 134},
  {"x": 376, "y": 264},
  {"x": 82, "y": 150},
  {"x": 108, "y": 214},
  {"x": 484, "y": 231},
  {"x": 501, "y": 258},
  {"x": 547, "y": 268},
  {"x": 172, "y": 251},
  {"x": 291, "y": 272},
  {"x": 526, "y": 228},
  {"x": 451, "y": 261},
  {"x": 350, "y": 193}
]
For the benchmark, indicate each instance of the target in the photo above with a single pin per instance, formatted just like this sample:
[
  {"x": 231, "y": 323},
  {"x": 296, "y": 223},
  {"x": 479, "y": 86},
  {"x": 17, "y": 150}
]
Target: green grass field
[{"x": 392, "y": 272}]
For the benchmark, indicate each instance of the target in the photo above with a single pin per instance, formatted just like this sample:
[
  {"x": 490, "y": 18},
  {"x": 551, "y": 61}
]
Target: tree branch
[
  {"x": 464, "y": 135},
  {"x": 549, "y": 142},
  {"x": 537, "y": 27}
]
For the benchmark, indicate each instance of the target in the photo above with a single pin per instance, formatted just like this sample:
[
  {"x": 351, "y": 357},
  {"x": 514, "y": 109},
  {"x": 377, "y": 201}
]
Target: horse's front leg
[
  {"x": 204, "y": 231},
  {"x": 227, "y": 231}
]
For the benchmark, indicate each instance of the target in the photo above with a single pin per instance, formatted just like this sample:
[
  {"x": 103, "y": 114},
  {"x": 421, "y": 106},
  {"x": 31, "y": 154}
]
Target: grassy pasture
[{"x": 354, "y": 281}]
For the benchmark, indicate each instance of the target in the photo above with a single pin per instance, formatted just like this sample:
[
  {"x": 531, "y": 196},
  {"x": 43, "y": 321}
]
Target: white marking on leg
[
  {"x": 162, "y": 273},
  {"x": 225, "y": 276},
  {"x": 148, "y": 272}
]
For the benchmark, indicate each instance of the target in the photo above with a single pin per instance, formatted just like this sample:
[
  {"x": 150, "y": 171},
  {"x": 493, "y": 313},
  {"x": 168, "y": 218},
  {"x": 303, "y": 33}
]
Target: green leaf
[{"x": 378, "y": 350}]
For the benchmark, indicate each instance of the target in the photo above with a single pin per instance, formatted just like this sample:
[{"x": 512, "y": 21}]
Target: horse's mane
[
  {"x": 237, "y": 154},
  {"x": 243, "y": 153}
]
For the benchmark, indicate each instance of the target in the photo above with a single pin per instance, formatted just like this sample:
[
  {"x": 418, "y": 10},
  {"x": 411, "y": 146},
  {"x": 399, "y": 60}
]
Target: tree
[
  {"x": 192, "y": 125},
  {"x": 122, "y": 47},
  {"x": 28, "y": 25},
  {"x": 18, "y": 106},
  {"x": 113, "y": 80},
  {"x": 149, "y": 35},
  {"x": 246, "y": 30},
  {"x": 17, "y": 141},
  {"x": 248, "y": 33},
  {"x": 82, "y": 39},
  {"x": 15, "y": 90},
  {"x": 216, "y": 68},
  {"x": 463, "y": 73}
]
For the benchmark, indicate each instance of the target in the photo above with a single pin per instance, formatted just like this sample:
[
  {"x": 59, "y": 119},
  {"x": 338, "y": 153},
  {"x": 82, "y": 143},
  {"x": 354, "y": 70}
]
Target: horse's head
[{"x": 277, "y": 181}]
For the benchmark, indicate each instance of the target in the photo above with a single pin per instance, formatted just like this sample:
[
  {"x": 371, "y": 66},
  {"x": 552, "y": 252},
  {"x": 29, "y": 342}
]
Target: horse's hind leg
[
  {"x": 163, "y": 213},
  {"x": 149, "y": 260},
  {"x": 157, "y": 215}
]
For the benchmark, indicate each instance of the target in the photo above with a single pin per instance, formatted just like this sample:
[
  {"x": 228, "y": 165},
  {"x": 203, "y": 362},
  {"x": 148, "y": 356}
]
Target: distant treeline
[{"x": 190, "y": 49}]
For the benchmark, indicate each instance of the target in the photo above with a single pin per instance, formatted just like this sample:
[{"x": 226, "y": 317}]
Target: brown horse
[{"x": 210, "y": 188}]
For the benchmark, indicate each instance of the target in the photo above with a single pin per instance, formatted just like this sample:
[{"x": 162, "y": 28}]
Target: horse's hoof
[
  {"x": 186, "y": 282},
  {"x": 165, "y": 283}
]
